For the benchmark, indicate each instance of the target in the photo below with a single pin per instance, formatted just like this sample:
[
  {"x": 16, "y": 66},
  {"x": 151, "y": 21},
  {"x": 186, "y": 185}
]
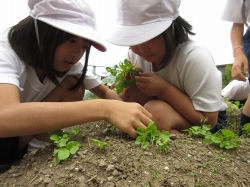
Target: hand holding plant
[{"x": 124, "y": 73}]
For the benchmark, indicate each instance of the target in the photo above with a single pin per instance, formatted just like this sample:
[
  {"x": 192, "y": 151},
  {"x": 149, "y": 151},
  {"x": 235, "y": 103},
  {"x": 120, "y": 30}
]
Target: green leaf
[
  {"x": 54, "y": 137},
  {"x": 62, "y": 142},
  {"x": 63, "y": 153},
  {"x": 74, "y": 149}
]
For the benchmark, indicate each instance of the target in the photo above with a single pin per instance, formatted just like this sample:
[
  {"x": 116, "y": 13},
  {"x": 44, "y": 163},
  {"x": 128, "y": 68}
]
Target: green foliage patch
[
  {"x": 124, "y": 73},
  {"x": 223, "y": 138},
  {"x": 151, "y": 135}
]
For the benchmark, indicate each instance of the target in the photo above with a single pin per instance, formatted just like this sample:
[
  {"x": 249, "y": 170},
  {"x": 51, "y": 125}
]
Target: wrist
[{"x": 237, "y": 50}]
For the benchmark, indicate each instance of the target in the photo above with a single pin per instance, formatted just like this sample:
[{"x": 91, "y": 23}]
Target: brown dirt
[{"x": 188, "y": 162}]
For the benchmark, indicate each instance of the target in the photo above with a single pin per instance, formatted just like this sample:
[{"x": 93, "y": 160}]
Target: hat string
[{"x": 37, "y": 33}]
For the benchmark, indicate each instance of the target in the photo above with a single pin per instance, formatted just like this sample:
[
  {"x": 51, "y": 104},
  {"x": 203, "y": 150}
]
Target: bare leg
[
  {"x": 166, "y": 117},
  {"x": 59, "y": 94}
]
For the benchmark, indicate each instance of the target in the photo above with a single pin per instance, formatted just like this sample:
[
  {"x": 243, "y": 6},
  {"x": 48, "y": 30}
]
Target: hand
[
  {"x": 150, "y": 84},
  {"x": 239, "y": 62},
  {"x": 128, "y": 116}
]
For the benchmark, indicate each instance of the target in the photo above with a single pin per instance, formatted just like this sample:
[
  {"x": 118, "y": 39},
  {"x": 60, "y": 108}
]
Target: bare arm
[
  {"x": 105, "y": 93},
  {"x": 18, "y": 119},
  {"x": 177, "y": 99},
  {"x": 240, "y": 59}
]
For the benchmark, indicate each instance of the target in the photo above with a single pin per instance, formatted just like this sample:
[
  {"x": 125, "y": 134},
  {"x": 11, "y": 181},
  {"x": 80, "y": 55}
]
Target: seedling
[
  {"x": 99, "y": 144},
  {"x": 224, "y": 139},
  {"x": 246, "y": 129},
  {"x": 64, "y": 147},
  {"x": 124, "y": 73},
  {"x": 151, "y": 135}
]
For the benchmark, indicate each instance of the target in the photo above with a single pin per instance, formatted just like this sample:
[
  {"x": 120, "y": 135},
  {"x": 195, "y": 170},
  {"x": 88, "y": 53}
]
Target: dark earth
[{"x": 188, "y": 162}]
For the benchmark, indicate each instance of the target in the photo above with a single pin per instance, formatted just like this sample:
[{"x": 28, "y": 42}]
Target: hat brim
[
  {"x": 134, "y": 35},
  {"x": 77, "y": 30}
]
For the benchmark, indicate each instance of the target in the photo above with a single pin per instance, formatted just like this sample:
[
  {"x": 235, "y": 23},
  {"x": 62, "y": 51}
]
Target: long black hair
[
  {"x": 177, "y": 33},
  {"x": 23, "y": 40}
]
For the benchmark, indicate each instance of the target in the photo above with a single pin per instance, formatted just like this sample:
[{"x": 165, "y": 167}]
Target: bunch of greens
[{"x": 124, "y": 73}]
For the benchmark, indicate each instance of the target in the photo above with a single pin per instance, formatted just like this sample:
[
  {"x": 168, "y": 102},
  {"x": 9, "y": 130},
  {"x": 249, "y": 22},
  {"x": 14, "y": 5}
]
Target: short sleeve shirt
[
  {"x": 232, "y": 11},
  {"x": 14, "y": 71},
  {"x": 192, "y": 70}
]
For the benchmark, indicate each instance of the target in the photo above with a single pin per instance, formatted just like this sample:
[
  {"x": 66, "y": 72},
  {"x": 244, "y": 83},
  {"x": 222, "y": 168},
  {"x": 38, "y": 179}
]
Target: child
[
  {"x": 236, "y": 90},
  {"x": 180, "y": 84},
  {"x": 238, "y": 12},
  {"x": 42, "y": 80}
]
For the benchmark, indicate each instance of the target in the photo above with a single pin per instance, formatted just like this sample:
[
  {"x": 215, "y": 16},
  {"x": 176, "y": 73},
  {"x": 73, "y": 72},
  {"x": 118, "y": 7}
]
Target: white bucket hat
[
  {"x": 141, "y": 20},
  {"x": 72, "y": 16}
]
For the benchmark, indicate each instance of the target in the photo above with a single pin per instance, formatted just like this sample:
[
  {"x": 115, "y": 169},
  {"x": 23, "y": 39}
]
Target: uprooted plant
[{"x": 124, "y": 73}]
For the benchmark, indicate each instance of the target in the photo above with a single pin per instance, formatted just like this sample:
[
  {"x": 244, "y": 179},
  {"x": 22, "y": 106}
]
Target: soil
[{"x": 187, "y": 162}]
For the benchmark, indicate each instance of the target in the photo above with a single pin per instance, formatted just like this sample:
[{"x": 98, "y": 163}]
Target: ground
[{"x": 188, "y": 162}]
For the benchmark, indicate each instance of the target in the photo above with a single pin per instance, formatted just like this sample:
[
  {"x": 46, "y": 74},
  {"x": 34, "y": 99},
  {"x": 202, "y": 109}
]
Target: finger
[
  {"x": 148, "y": 116},
  {"x": 132, "y": 133},
  {"x": 145, "y": 74}
]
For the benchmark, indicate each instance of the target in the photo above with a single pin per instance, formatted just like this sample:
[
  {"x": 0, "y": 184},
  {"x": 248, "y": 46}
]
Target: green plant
[
  {"x": 124, "y": 73},
  {"x": 64, "y": 147},
  {"x": 99, "y": 143},
  {"x": 227, "y": 75},
  {"x": 246, "y": 129},
  {"x": 151, "y": 135},
  {"x": 224, "y": 139},
  {"x": 154, "y": 174}
]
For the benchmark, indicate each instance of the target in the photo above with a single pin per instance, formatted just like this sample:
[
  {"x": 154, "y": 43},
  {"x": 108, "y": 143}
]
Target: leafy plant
[
  {"x": 151, "y": 135},
  {"x": 124, "y": 73},
  {"x": 99, "y": 143},
  {"x": 246, "y": 129},
  {"x": 227, "y": 75},
  {"x": 224, "y": 139},
  {"x": 64, "y": 147}
]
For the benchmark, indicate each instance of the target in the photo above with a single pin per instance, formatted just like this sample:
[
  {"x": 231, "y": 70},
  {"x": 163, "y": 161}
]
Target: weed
[
  {"x": 99, "y": 143},
  {"x": 113, "y": 128},
  {"x": 154, "y": 174},
  {"x": 246, "y": 129},
  {"x": 199, "y": 184},
  {"x": 124, "y": 73},
  {"x": 193, "y": 174},
  {"x": 227, "y": 75}
]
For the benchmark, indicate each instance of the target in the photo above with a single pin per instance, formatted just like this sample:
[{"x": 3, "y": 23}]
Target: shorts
[
  {"x": 221, "y": 122},
  {"x": 9, "y": 151}
]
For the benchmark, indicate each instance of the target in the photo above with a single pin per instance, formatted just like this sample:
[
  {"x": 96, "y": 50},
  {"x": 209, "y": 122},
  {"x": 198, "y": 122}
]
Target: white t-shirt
[
  {"x": 193, "y": 71},
  {"x": 232, "y": 11},
  {"x": 15, "y": 71},
  {"x": 236, "y": 90}
]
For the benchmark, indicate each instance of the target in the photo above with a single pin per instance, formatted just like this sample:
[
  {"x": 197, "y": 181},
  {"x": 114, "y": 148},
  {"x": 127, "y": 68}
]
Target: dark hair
[
  {"x": 177, "y": 33},
  {"x": 23, "y": 40}
]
